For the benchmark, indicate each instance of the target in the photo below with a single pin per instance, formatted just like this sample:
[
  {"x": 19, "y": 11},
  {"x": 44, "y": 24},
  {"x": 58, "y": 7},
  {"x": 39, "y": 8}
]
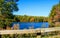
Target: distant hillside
[{"x": 26, "y": 18}]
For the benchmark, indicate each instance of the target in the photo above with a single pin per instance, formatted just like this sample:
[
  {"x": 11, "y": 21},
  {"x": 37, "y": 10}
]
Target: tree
[
  {"x": 7, "y": 7},
  {"x": 54, "y": 15}
]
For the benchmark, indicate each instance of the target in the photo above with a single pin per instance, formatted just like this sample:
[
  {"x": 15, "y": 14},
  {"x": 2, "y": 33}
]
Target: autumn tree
[{"x": 54, "y": 16}]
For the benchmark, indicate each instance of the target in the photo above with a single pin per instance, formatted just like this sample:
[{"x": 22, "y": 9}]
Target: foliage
[
  {"x": 18, "y": 36},
  {"x": 31, "y": 18},
  {"x": 54, "y": 15},
  {"x": 6, "y": 9}
]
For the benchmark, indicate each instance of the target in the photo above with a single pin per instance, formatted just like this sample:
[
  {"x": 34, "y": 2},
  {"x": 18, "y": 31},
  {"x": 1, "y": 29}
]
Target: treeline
[{"x": 26, "y": 18}]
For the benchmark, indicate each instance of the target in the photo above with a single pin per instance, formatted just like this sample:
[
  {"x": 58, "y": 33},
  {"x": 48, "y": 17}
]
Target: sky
[{"x": 35, "y": 7}]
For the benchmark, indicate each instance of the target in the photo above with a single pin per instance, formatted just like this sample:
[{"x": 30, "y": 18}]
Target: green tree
[{"x": 7, "y": 7}]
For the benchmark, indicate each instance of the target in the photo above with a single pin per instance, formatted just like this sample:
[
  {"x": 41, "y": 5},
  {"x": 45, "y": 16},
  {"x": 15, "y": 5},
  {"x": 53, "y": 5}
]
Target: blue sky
[{"x": 35, "y": 7}]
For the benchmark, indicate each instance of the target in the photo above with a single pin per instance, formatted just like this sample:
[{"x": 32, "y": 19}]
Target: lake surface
[{"x": 27, "y": 25}]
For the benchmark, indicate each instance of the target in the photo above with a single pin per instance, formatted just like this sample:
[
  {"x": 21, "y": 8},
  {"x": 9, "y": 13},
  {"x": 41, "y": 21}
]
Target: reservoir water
[{"x": 27, "y": 25}]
